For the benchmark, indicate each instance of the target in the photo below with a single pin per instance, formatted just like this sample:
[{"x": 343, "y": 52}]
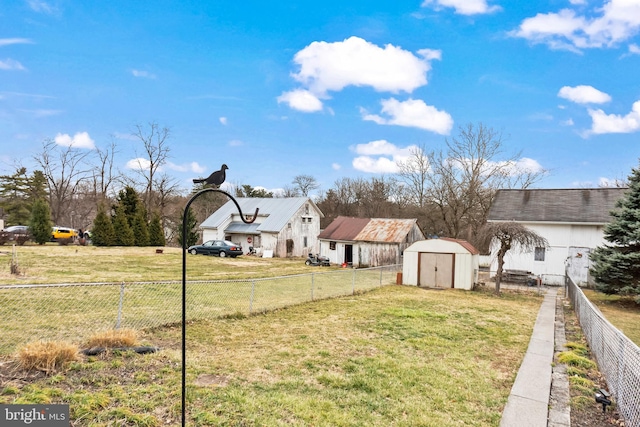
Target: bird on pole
[{"x": 216, "y": 178}]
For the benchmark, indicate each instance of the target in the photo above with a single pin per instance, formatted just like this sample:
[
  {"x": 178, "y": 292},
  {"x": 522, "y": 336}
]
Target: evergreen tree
[
  {"x": 140, "y": 227},
  {"x": 40, "y": 222},
  {"x": 192, "y": 233},
  {"x": 14, "y": 191},
  {"x": 123, "y": 234},
  {"x": 102, "y": 233},
  {"x": 616, "y": 265},
  {"x": 156, "y": 233}
]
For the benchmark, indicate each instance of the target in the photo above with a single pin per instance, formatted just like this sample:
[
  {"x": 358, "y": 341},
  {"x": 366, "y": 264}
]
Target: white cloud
[
  {"x": 584, "y": 95},
  {"x": 523, "y": 165},
  {"x": 380, "y": 156},
  {"x": 634, "y": 49},
  {"x": 328, "y": 67},
  {"x": 187, "y": 167},
  {"x": 615, "y": 123},
  {"x": 138, "y": 163},
  {"x": 336, "y": 166},
  {"x": 615, "y": 22},
  {"x": 568, "y": 122},
  {"x": 223, "y": 120},
  {"x": 43, "y": 113},
  {"x": 463, "y": 7},
  {"x": 235, "y": 143},
  {"x": 412, "y": 113},
  {"x": 143, "y": 74},
  {"x": 41, "y": 6},
  {"x": 301, "y": 100},
  {"x": 79, "y": 140},
  {"x": 11, "y": 64},
  {"x": 15, "y": 40}
]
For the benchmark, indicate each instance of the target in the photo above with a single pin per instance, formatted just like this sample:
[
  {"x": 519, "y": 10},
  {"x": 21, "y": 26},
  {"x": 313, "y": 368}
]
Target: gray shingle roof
[
  {"x": 274, "y": 213},
  {"x": 581, "y": 205}
]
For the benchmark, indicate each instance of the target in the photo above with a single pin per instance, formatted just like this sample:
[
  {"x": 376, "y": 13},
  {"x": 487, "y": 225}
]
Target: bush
[
  {"x": 47, "y": 356},
  {"x": 113, "y": 338}
]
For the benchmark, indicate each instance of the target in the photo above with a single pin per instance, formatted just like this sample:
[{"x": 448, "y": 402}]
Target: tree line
[{"x": 448, "y": 190}]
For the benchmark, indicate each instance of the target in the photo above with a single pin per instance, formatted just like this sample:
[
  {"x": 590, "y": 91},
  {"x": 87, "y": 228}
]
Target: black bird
[{"x": 216, "y": 178}]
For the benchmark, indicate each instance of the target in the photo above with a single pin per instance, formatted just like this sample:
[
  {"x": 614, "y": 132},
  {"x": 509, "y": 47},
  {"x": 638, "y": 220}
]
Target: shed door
[{"x": 435, "y": 270}]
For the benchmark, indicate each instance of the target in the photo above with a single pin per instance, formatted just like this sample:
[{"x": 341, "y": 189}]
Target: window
[
  {"x": 539, "y": 254},
  {"x": 332, "y": 246},
  {"x": 306, "y": 209},
  {"x": 305, "y": 241}
]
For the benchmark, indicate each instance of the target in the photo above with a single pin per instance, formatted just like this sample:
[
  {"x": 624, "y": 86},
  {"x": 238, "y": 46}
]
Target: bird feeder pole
[{"x": 184, "y": 282}]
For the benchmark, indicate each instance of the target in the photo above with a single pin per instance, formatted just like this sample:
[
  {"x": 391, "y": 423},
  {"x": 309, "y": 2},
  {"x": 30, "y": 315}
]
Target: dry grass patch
[
  {"x": 47, "y": 356},
  {"x": 621, "y": 311},
  {"x": 114, "y": 338}
]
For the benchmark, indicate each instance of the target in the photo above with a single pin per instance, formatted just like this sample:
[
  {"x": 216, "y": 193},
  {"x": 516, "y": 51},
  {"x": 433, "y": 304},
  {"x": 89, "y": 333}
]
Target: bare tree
[
  {"x": 459, "y": 183},
  {"x": 103, "y": 173},
  {"x": 414, "y": 172},
  {"x": 155, "y": 140},
  {"x": 510, "y": 235},
  {"x": 64, "y": 169},
  {"x": 305, "y": 184}
]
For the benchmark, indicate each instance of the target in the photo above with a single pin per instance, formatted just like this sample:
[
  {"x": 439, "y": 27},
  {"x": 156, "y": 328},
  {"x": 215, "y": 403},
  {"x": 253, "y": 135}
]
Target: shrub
[
  {"x": 113, "y": 338},
  {"x": 572, "y": 359},
  {"x": 47, "y": 356}
]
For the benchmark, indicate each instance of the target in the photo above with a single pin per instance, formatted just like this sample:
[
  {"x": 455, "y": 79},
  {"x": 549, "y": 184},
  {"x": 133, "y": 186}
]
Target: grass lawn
[
  {"x": 52, "y": 263},
  {"x": 622, "y": 312},
  {"x": 397, "y": 355}
]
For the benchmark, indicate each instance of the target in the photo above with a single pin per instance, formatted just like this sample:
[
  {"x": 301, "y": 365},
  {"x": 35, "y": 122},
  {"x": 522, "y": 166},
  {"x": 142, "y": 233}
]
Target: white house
[
  {"x": 288, "y": 226},
  {"x": 442, "y": 263},
  {"x": 572, "y": 220},
  {"x": 368, "y": 242}
]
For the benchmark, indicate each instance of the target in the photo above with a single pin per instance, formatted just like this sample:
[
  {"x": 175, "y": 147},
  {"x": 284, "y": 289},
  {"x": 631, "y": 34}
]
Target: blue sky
[{"x": 331, "y": 89}]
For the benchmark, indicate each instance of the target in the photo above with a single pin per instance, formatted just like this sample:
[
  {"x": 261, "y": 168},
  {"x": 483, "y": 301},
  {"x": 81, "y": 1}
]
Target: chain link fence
[
  {"x": 74, "y": 312},
  {"x": 617, "y": 356}
]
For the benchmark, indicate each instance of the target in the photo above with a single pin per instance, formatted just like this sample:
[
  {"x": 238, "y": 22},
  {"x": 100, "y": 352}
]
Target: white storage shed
[{"x": 441, "y": 263}]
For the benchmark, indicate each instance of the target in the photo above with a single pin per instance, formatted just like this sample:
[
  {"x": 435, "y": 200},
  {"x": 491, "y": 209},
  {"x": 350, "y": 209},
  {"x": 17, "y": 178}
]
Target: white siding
[{"x": 561, "y": 238}]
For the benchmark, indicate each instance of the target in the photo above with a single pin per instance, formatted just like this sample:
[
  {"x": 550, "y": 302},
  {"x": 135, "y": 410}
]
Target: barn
[
  {"x": 368, "y": 242},
  {"x": 285, "y": 226},
  {"x": 441, "y": 263}
]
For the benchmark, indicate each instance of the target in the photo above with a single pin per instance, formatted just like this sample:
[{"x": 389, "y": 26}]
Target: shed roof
[
  {"x": 443, "y": 245},
  {"x": 274, "y": 213},
  {"x": 390, "y": 230},
  {"x": 579, "y": 205}
]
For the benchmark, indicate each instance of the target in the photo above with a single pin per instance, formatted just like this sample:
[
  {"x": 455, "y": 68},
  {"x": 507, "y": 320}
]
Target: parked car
[
  {"x": 62, "y": 233},
  {"x": 15, "y": 233},
  {"x": 221, "y": 248}
]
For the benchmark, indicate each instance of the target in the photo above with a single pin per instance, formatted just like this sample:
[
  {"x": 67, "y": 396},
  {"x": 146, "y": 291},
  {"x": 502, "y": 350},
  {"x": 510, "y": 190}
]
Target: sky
[{"x": 332, "y": 89}]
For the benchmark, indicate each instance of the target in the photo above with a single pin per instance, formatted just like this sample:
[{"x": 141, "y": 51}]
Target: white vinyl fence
[
  {"x": 73, "y": 312},
  {"x": 617, "y": 356}
]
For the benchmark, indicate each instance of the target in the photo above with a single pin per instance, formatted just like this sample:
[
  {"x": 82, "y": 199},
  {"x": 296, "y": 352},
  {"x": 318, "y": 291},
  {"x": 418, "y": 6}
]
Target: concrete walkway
[{"x": 528, "y": 403}]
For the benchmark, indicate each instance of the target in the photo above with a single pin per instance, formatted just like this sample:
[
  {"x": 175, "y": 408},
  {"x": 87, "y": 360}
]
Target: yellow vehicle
[{"x": 61, "y": 233}]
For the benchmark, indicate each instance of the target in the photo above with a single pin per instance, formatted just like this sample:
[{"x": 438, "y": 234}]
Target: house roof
[
  {"x": 580, "y": 205},
  {"x": 273, "y": 214},
  {"x": 368, "y": 229}
]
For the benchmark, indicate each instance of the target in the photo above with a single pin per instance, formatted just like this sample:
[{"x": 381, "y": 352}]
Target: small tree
[
  {"x": 102, "y": 233},
  {"x": 192, "y": 234},
  {"x": 616, "y": 265},
  {"x": 511, "y": 235},
  {"x": 123, "y": 234},
  {"x": 140, "y": 227},
  {"x": 40, "y": 222},
  {"x": 156, "y": 233}
]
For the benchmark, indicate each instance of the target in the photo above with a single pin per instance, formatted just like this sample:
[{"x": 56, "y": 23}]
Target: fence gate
[{"x": 578, "y": 264}]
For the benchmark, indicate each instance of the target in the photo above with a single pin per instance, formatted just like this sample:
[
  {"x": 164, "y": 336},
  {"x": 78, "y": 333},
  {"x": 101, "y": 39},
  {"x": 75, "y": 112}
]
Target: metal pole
[{"x": 184, "y": 286}]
